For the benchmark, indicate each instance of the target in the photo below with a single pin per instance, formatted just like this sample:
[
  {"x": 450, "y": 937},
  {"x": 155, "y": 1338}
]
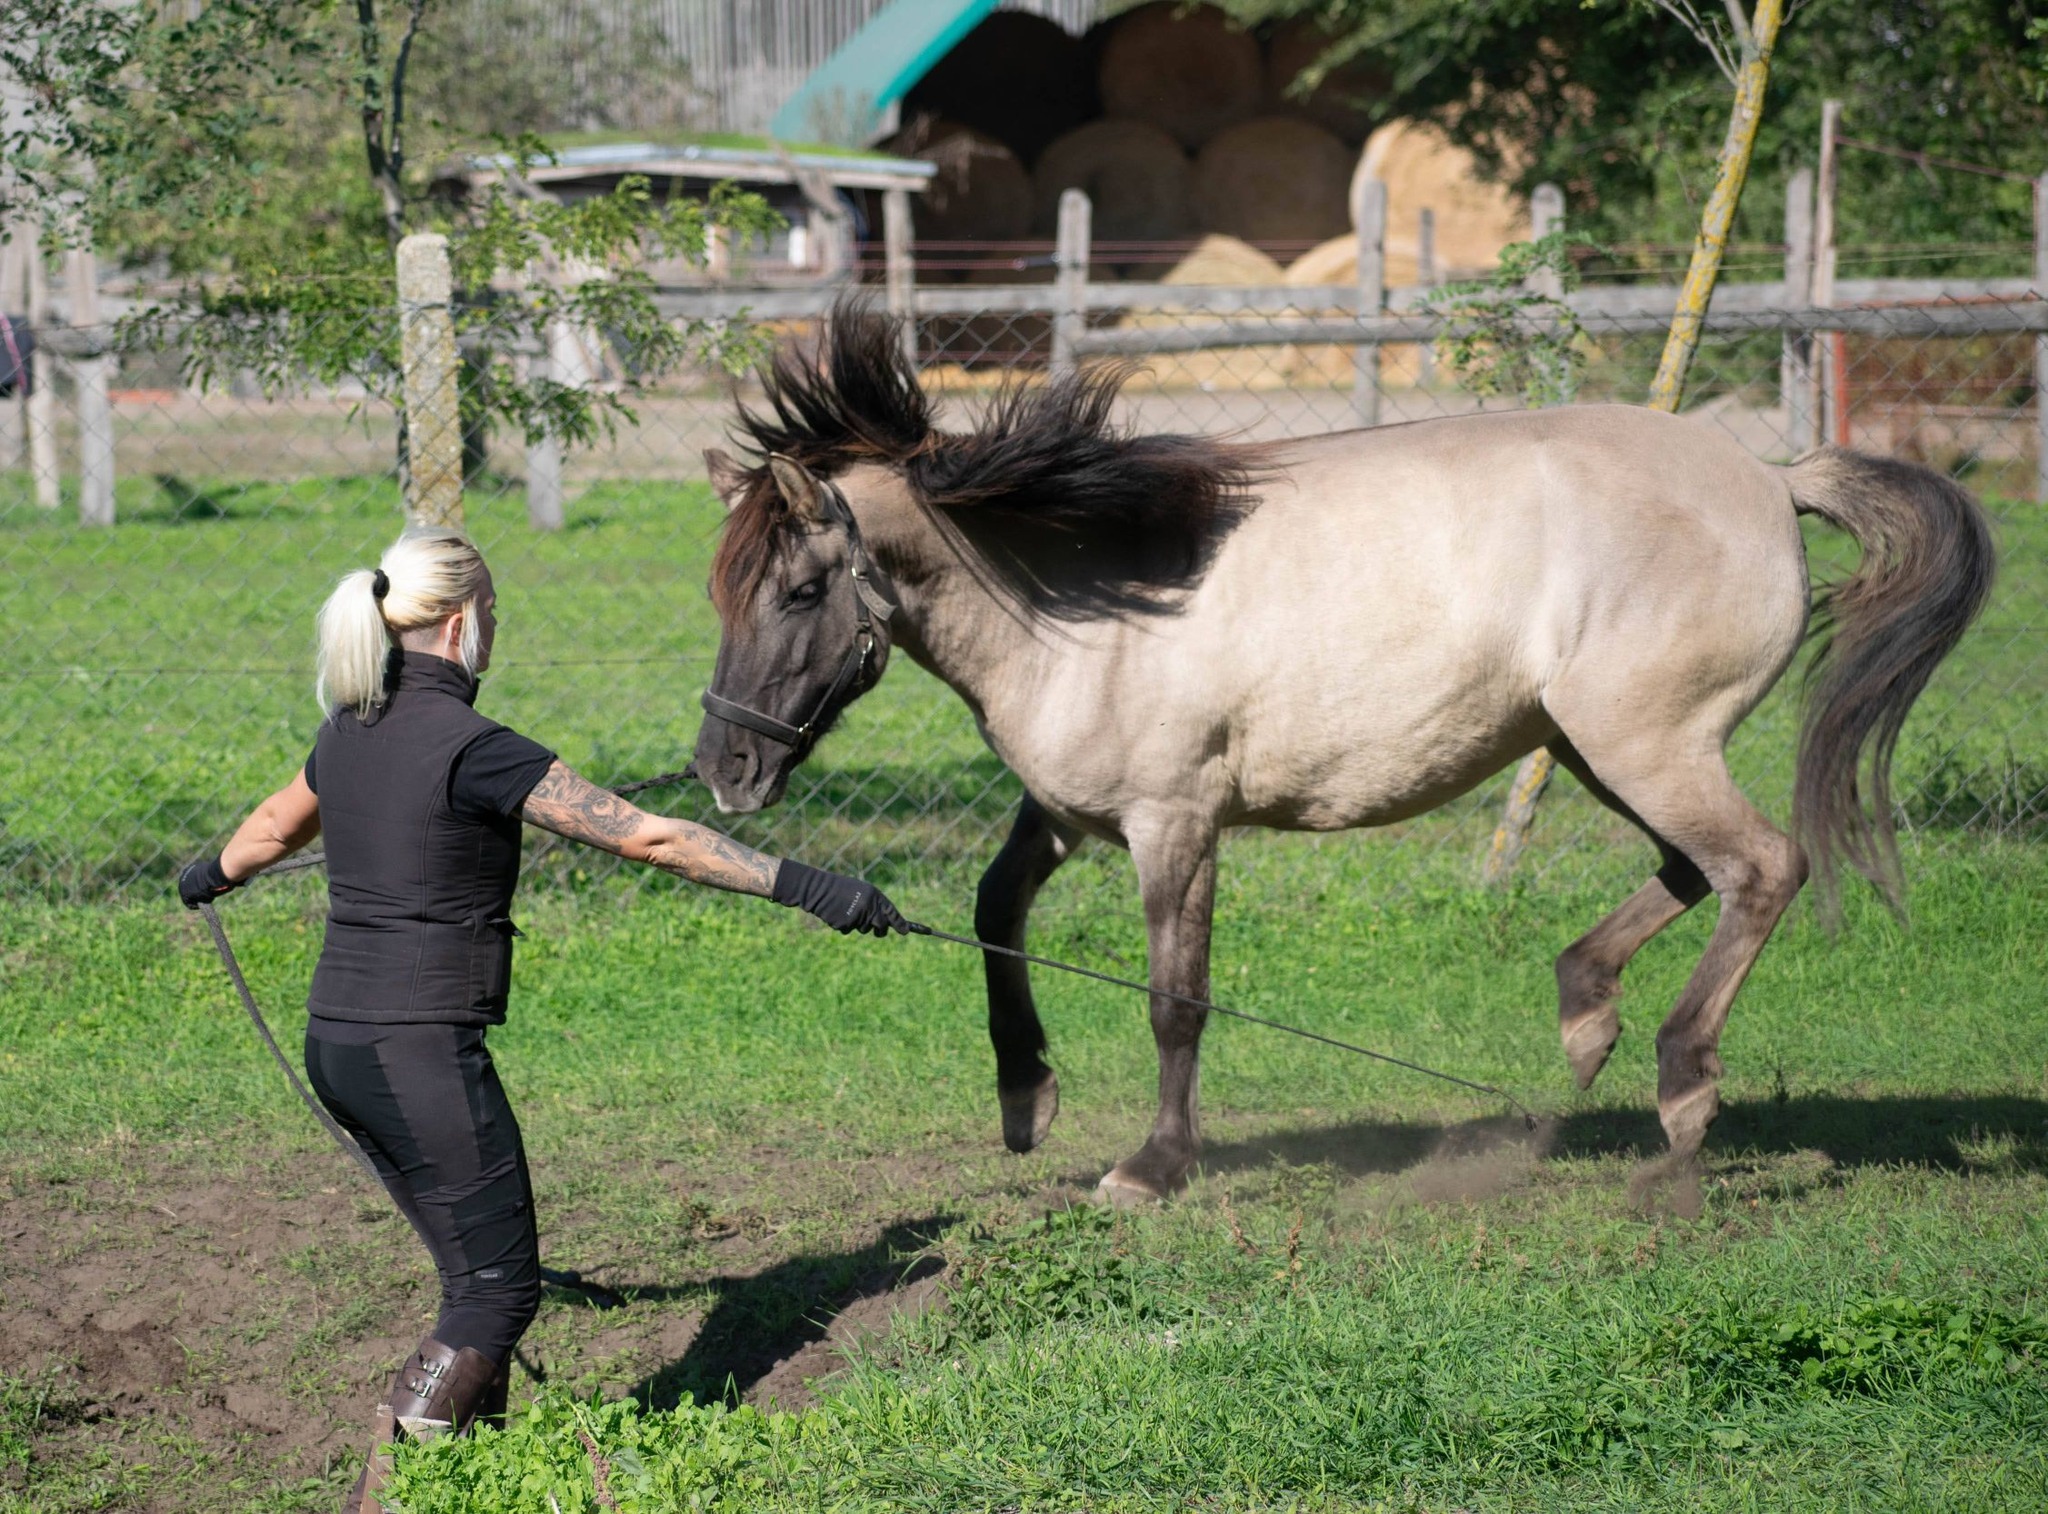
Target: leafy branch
[{"x": 1510, "y": 333}]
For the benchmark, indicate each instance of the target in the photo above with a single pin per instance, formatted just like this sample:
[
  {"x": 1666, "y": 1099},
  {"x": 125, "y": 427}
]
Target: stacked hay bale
[
  {"x": 1216, "y": 261},
  {"x": 1474, "y": 221}
]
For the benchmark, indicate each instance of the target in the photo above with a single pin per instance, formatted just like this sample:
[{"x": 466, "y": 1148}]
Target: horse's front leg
[
  {"x": 1025, "y": 1087},
  {"x": 1177, "y": 874}
]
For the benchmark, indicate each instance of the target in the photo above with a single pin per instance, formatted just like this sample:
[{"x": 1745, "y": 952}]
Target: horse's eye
[{"x": 803, "y": 596}]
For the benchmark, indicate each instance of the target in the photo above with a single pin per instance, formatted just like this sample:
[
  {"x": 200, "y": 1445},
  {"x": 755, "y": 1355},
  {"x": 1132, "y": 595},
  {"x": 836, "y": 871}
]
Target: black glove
[
  {"x": 845, "y": 904},
  {"x": 203, "y": 881}
]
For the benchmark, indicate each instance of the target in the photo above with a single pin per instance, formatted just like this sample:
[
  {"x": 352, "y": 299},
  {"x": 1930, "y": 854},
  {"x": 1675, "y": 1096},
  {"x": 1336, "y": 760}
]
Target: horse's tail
[{"x": 1926, "y": 570}]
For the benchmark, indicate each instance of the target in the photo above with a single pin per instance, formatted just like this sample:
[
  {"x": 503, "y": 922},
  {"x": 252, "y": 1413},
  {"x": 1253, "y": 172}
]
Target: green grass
[
  {"x": 1497, "y": 1329},
  {"x": 743, "y": 1122}
]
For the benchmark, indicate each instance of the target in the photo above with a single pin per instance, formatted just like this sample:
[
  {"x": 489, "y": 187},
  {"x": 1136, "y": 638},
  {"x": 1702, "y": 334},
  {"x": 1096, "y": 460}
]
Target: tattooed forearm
[
  {"x": 572, "y": 806},
  {"x": 703, "y": 855}
]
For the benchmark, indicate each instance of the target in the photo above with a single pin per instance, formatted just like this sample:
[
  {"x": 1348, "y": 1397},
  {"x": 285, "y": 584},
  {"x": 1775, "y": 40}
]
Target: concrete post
[
  {"x": 90, "y": 376},
  {"x": 899, "y": 267},
  {"x": 544, "y": 501},
  {"x": 433, "y": 409},
  {"x": 1546, "y": 215},
  {"x": 42, "y": 399},
  {"x": 14, "y": 297},
  {"x": 1071, "y": 259},
  {"x": 1369, "y": 220}
]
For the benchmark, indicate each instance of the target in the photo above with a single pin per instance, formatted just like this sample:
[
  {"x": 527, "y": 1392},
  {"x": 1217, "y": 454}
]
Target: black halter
[{"x": 855, "y": 671}]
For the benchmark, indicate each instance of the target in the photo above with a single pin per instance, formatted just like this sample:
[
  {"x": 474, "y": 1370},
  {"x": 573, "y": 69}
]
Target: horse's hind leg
[
  {"x": 1589, "y": 970},
  {"x": 1176, "y": 857},
  {"x": 1678, "y": 784},
  {"x": 1025, "y": 1087}
]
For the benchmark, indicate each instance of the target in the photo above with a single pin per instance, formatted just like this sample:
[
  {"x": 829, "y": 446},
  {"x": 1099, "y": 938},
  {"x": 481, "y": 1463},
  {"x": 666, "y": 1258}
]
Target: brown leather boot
[
  {"x": 438, "y": 1390},
  {"x": 491, "y": 1410}
]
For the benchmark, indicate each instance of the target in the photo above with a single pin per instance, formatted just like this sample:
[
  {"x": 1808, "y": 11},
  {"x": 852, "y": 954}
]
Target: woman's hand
[{"x": 846, "y": 904}]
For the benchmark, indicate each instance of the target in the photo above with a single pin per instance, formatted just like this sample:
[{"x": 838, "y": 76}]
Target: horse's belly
[{"x": 1384, "y": 773}]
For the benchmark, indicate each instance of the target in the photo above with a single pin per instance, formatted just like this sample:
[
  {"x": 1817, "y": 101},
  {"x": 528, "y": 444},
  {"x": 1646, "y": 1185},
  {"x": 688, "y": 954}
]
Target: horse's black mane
[{"x": 1073, "y": 513}]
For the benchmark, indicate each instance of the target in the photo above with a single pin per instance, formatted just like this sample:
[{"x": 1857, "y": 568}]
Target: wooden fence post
[
  {"x": 1829, "y": 386},
  {"x": 42, "y": 397},
  {"x": 1511, "y": 834},
  {"x": 1369, "y": 217},
  {"x": 89, "y": 376},
  {"x": 2041, "y": 342},
  {"x": 1795, "y": 367},
  {"x": 1070, "y": 257},
  {"x": 899, "y": 270},
  {"x": 433, "y": 408}
]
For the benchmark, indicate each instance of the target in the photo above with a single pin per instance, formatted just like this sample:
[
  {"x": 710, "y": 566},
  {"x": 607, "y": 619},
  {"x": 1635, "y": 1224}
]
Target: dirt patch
[
  {"x": 863, "y": 1322},
  {"x": 250, "y": 1319}
]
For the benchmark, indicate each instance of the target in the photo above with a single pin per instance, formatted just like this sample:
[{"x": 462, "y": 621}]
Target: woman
[{"x": 420, "y": 800}]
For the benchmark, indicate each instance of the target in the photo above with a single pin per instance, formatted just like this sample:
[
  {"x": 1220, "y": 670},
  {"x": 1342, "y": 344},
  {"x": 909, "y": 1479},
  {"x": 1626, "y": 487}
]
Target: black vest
[{"x": 419, "y": 901}]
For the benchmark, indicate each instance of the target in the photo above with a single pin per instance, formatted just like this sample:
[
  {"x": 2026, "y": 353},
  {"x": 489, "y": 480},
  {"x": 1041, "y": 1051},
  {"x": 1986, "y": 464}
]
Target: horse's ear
[
  {"x": 804, "y": 495},
  {"x": 728, "y": 478}
]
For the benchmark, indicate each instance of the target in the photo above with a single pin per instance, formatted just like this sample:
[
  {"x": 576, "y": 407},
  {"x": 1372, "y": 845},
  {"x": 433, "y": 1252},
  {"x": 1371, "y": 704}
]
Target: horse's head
[{"x": 803, "y": 628}]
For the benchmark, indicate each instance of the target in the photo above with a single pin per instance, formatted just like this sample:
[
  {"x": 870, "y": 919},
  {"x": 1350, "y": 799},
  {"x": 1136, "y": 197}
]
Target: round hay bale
[
  {"x": 1226, "y": 260},
  {"x": 1343, "y": 102},
  {"x": 1331, "y": 262},
  {"x": 980, "y": 192},
  {"x": 1274, "y": 179},
  {"x": 1017, "y": 77},
  {"x": 1474, "y": 219},
  {"x": 1190, "y": 72},
  {"x": 1138, "y": 179}
]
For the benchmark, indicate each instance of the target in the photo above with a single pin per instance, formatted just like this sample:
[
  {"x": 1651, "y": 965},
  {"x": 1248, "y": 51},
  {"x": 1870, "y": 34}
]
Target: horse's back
[{"x": 1407, "y": 606}]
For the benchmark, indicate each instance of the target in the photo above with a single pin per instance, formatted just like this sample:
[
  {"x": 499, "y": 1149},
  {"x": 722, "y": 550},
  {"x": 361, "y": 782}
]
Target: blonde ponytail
[{"x": 428, "y": 574}]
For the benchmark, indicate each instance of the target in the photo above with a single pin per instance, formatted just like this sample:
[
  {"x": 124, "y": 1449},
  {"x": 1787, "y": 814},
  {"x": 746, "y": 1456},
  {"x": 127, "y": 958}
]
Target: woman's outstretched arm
[
  {"x": 279, "y": 826},
  {"x": 572, "y": 806}
]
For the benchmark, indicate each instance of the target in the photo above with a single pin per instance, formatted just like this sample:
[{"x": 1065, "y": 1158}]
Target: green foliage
[
  {"x": 1616, "y": 102},
  {"x": 1510, "y": 338},
  {"x": 1069, "y": 1268},
  {"x": 214, "y": 145},
  {"x": 559, "y": 1451},
  {"x": 144, "y": 113}
]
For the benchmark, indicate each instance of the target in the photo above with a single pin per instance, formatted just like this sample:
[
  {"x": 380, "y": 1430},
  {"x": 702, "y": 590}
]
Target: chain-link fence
[{"x": 158, "y": 677}]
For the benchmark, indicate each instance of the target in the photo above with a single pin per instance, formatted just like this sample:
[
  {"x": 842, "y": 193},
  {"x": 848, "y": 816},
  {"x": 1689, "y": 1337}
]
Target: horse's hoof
[
  {"x": 1589, "y": 1041},
  {"x": 1121, "y": 1191},
  {"x": 1686, "y": 1117},
  {"x": 1138, "y": 1182},
  {"x": 1028, "y": 1112}
]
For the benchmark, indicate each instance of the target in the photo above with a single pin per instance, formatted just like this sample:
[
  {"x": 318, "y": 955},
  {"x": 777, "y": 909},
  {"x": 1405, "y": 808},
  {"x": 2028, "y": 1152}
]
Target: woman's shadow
[{"x": 764, "y": 1318}]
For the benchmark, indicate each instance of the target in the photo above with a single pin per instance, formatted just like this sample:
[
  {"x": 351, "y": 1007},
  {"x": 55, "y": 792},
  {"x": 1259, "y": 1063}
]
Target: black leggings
[{"x": 426, "y": 1106}]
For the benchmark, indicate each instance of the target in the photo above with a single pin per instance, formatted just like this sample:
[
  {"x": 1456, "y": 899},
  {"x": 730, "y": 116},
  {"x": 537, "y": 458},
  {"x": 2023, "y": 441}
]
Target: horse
[{"x": 1164, "y": 635}]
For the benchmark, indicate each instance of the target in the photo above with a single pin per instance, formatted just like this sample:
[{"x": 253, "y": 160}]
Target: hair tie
[{"x": 380, "y": 584}]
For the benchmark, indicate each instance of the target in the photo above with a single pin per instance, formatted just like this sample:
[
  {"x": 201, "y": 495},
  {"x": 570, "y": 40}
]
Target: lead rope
[{"x": 1528, "y": 1119}]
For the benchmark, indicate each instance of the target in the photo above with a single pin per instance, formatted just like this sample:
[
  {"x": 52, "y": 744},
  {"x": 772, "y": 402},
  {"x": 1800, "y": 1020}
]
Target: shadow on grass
[
  {"x": 1933, "y": 1131},
  {"x": 760, "y": 1320}
]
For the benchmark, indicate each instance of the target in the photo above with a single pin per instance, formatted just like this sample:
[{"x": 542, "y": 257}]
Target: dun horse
[{"x": 1166, "y": 635}]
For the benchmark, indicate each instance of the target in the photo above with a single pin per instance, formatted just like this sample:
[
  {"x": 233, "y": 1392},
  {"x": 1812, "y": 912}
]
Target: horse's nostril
[{"x": 690, "y": 770}]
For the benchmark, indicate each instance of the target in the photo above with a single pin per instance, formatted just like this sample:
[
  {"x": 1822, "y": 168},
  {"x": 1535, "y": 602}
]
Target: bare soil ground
[{"x": 243, "y": 1321}]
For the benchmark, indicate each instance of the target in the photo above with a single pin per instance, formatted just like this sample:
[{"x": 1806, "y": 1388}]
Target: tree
[
  {"x": 1620, "y": 105},
  {"x": 215, "y": 142}
]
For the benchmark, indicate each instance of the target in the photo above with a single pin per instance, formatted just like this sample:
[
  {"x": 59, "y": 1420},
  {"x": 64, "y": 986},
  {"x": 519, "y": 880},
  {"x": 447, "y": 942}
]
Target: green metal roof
[{"x": 844, "y": 99}]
